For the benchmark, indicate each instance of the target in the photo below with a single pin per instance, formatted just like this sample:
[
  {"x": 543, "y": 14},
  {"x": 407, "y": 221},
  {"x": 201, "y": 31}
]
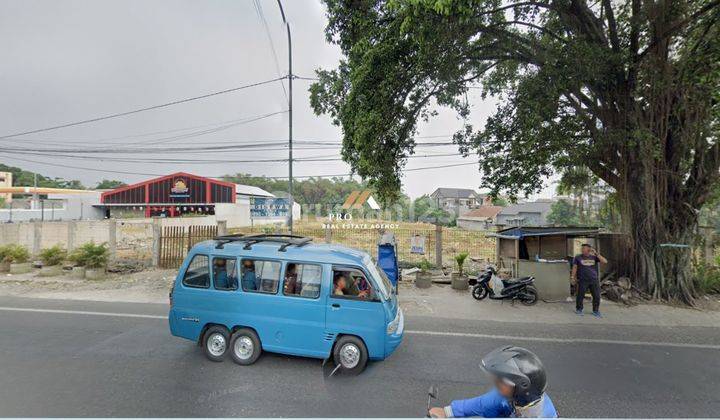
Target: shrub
[
  {"x": 707, "y": 279},
  {"x": 3, "y": 252},
  {"x": 425, "y": 265},
  {"x": 16, "y": 254},
  {"x": 460, "y": 260},
  {"x": 53, "y": 255},
  {"x": 91, "y": 255}
]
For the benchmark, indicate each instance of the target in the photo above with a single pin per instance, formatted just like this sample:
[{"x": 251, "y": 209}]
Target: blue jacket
[
  {"x": 249, "y": 281},
  {"x": 492, "y": 404},
  {"x": 221, "y": 279}
]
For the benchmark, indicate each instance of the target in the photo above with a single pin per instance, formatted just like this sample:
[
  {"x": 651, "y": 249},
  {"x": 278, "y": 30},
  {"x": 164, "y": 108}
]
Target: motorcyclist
[{"x": 520, "y": 383}]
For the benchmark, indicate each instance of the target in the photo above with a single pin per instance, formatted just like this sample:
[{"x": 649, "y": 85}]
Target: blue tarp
[{"x": 387, "y": 260}]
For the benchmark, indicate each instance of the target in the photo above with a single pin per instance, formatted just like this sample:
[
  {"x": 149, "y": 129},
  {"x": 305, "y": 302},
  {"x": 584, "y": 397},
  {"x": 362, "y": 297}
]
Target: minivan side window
[
  {"x": 302, "y": 280},
  {"x": 260, "y": 276},
  {"x": 350, "y": 283},
  {"x": 224, "y": 273},
  {"x": 198, "y": 272}
]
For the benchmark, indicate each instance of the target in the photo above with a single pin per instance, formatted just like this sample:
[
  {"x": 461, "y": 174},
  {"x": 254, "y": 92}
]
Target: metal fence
[{"x": 176, "y": 241}]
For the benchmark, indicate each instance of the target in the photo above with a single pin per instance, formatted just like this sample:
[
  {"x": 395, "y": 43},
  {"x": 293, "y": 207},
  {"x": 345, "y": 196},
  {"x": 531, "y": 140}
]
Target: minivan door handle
[{"x": 336, "y": 306}]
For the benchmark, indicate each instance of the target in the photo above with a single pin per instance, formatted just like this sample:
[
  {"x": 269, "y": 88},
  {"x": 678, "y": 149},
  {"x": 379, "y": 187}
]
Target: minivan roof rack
[{"x": 250, "y": 240}]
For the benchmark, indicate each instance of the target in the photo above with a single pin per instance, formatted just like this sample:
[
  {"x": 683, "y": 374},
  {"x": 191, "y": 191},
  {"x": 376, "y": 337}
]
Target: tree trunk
[{"x": 660, "y": 228}]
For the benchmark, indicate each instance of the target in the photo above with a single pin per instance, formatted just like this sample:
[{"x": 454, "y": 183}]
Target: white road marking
[
  {"x": 63, "y": 311},
  {"x": 413, "y": 332},
  {"x": 566, "y": 340}
]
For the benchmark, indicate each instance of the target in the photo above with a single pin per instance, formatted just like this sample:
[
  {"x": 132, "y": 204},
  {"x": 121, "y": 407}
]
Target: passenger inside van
[
  {"x": 223, "y": 278},
  {"x": 345, "y": 284},
  {"x": 249, "y": 281},
  {"x": 292, "y": 286},
  {"x": 339, "y": 284}
]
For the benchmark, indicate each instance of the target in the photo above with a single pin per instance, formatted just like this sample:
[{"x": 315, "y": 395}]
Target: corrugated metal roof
[{"x": 251, "y": 190}]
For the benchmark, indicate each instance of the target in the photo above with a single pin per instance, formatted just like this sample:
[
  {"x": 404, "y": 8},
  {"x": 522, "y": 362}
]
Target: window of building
[
  {"x": 260, "y": 276},
  {"x": 198, "y": 272},
  {"x": 225, "y": 273},
  {"x": 302, "y": 280}
]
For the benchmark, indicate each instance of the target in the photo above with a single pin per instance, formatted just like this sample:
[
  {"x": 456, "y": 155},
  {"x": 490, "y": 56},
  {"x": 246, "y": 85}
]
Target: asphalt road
[{"x": 70, "y": 358}]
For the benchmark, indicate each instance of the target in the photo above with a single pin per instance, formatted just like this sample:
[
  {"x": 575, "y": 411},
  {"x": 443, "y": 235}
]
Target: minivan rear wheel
[
  {"x": 215, "y": 343},
  {"x": 350, "y": 354},
  {"x": 245, "y": 347}
]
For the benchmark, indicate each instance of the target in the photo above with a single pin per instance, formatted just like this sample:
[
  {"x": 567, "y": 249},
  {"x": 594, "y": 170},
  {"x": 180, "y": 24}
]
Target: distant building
[
  {"x": 481, "y": 218},
  {"x": 525, "y": 214},
  {"x": 459, "y": 201},
  {"x": 170, "y": 196},
  {"x": 74, "y": 206}
]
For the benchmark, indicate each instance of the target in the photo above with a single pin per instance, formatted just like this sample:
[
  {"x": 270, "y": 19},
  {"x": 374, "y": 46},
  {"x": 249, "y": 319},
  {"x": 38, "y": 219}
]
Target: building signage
[
  {"x": 268, "y": 207},
  {"x": 179, "y": 189}
]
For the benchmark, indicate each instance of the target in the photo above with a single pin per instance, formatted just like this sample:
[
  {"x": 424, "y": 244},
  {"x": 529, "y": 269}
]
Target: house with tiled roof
[
  {"x": 458, "y": 201},
  {"x": 481, "y": 218}
]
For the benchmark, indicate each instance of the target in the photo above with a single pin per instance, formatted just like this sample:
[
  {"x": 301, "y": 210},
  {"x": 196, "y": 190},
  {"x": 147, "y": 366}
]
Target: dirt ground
[{"x": 153, "y": 285}]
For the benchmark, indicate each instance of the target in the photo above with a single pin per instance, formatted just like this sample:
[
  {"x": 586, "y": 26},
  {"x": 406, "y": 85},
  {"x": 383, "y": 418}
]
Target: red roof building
[{"x": 170, "y": 195}]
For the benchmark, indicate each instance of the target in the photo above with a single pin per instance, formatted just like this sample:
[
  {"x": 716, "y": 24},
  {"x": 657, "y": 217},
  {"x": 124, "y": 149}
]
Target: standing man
[{"x": 585, "y": 273}]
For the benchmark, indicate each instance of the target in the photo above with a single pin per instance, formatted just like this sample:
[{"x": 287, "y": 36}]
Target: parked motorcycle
[{"x": 522, "y": 289}]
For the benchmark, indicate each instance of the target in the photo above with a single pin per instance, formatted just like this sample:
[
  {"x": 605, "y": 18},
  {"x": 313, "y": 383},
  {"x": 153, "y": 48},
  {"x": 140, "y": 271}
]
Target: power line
[
  {"x": 219, "y": 124},
  {"x": 263, "y": 21},
  {"x": 230, "y": 175},
  {"x": 135, "y": 111}
]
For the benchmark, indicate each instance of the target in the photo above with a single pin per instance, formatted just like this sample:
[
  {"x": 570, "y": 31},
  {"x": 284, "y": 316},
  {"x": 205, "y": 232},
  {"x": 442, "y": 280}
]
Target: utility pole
[{"x": 290, "y": 121}]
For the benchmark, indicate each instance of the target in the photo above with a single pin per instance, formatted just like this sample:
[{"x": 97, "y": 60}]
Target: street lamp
[{"x": 290, "y": 119}]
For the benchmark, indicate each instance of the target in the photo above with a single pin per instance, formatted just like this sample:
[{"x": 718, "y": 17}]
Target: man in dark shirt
[{"x": 585, "y": 273}]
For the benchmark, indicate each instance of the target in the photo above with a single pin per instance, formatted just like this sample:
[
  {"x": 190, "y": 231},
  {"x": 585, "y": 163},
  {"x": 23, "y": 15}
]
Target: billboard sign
[
  {"x": 179, "y": 189},
  {"x": 261, "y": 207}
]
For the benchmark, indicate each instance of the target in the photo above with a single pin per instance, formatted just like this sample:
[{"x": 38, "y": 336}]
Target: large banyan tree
[{"x": 629, "y": 89}]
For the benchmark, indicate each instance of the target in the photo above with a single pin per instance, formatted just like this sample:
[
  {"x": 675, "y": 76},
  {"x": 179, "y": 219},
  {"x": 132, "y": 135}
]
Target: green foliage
[
  {"x": 16, "y": 253},
  {"x": 26, "y": 178},
  {"x": 269, "y": 229},
  {"x": 53, "y": 255},
  {"x": 4, "y": 250},
  {"x": 562, "y": 213},
  {"x": 321, "y": 191},
  {"x": 107, "y": 184},
  {"x": 460, "y": 260},
  {"x": 425, "y": 265},
  {"x": 90, "y": 255},
  {"x": 707, "y": 279},
  {"x": 620, "y": 87},
  {"x": 499, "y": 201}
]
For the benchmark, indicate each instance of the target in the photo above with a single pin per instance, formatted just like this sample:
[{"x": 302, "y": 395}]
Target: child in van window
[
  {"x": 339, "y": 283},
  {"x": 248, "y": 275},
  {"x": 292, "y": 287}
]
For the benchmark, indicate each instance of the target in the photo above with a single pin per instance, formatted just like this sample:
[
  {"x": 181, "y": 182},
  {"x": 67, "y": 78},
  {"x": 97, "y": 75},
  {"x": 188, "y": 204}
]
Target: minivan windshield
[{"x": 380, "y": 277}]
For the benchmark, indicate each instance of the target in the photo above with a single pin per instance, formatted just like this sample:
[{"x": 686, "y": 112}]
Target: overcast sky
[{"x": 63, "y": 61}]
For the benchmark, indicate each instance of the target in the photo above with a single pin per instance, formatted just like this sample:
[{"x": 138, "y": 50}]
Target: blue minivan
[{"x": 281, "y": 293}]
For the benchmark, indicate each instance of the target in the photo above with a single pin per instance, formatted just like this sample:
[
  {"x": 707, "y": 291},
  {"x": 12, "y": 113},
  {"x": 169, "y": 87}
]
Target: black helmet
[{"x": 522, "y": 368}]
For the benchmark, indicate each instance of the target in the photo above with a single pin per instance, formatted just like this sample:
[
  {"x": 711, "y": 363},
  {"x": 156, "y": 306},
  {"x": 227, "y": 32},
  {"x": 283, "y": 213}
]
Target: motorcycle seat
[{"x": 510, "y": 282}]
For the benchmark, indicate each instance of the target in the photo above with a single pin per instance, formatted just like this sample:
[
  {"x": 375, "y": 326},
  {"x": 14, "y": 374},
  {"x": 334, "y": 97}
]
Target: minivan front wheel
[
  {"x": 350, "y": 354},
  {"x": 245, "y": 347},
  {"x": 215, "y": 343}
]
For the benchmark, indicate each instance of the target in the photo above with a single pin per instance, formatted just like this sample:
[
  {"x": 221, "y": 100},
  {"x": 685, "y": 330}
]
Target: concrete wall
[
  {"x": 529, "y": 219},
  {"x": 551, "y": 279},
  {"x": 471, "y": 224}
]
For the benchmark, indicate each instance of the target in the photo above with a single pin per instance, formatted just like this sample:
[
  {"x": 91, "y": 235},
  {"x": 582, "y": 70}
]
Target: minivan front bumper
[{"x": 393, "y": 340}]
